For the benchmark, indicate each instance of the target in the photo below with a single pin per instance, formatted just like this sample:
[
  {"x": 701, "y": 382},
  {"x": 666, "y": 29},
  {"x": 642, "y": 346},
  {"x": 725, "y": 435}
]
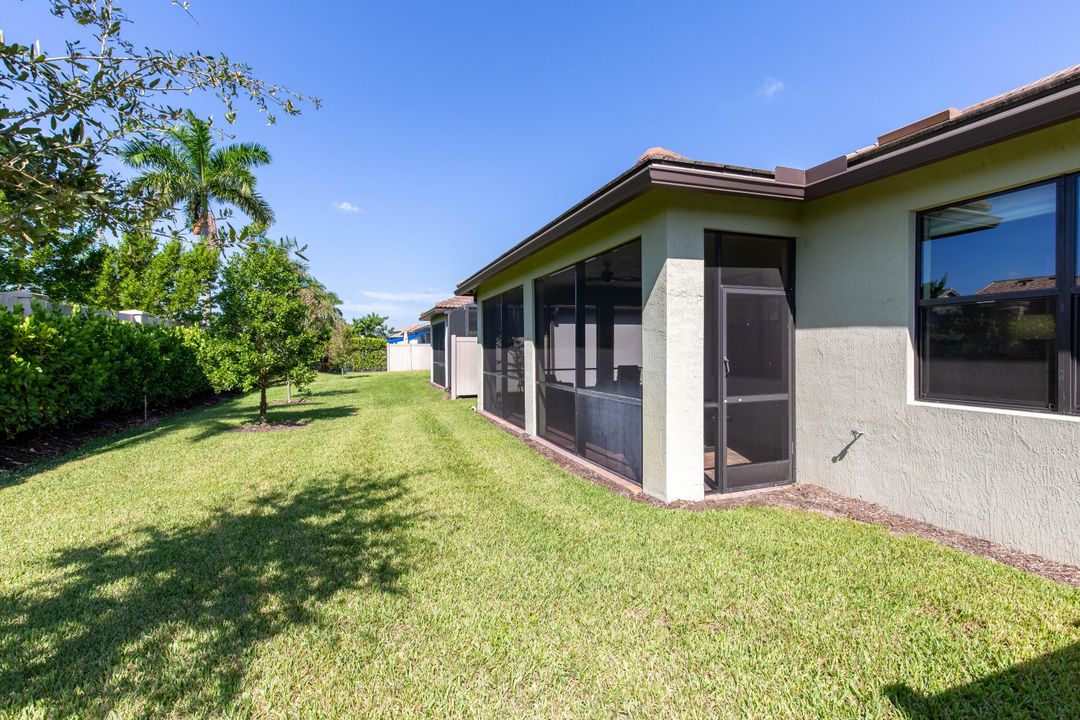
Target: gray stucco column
[
  {"x": 530, "y": 356},
  {"x": 673, "y": 346},
  {"x": 480, "y": 364}
]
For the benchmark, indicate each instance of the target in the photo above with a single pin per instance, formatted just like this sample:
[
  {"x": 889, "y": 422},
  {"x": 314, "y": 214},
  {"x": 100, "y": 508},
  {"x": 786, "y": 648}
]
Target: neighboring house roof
[
  {"x": 1042, "y": 282},
  {"x": 443, "y": 306},
  {"x": 1051, "y": 100},
  {"x": 413, "y": 329}
]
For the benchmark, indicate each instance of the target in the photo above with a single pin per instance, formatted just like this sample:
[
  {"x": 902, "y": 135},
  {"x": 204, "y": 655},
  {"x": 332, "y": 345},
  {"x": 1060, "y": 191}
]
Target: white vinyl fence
[
  {"x": 465, "y": 367},
  {"x": 401, "y": 357},
  {"x": 25, "y": 300}
]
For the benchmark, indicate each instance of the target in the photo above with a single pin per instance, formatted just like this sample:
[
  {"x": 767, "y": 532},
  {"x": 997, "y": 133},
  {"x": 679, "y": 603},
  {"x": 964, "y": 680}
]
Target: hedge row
[
  {"x": 58, "y": 370},
  {"x": 370, "y": 355}
]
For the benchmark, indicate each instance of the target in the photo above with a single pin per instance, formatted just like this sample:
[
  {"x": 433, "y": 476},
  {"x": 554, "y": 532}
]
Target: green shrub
[
  {"x": 370, "y": 355},
  {"x": 58, "y": 370}
]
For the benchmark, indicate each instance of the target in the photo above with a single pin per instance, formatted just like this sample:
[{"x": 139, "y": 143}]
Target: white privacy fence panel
[
  {"x": 402, "y": 358},
  {"x": 26, "y": 301},
  {"x": 465, "y": 367}
]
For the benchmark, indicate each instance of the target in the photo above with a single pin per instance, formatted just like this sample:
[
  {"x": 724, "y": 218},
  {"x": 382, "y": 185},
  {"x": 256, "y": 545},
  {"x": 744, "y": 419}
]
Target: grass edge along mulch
[{"x": 816, "y": 499}]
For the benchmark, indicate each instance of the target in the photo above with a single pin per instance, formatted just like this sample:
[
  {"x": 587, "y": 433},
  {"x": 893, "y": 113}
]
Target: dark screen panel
[
  {"x": 612, "y": 311},
  {"x": 514, "y": 402},
  {"x": 557, "y": 328},
  {"x": 588, "y": 330},
  {"x": 556, "y": 410},
  {"x": 611, "y": 434},
  {"x": 504, "y": 356},
  {"x": 438, "y": 353},
  {"x": 754, "y": 261},
  {"x": 492, "y": 313}
]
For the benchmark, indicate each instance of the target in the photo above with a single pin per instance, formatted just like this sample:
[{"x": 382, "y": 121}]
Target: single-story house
[
  {"x": 453, "y": 317},
  {"x": 899, "y": 324},
  {"x": 414, "y": 334}
]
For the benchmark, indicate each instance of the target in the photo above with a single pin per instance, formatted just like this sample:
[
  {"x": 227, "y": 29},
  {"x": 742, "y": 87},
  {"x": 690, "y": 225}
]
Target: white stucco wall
[{"x": 1009, "y": 477}]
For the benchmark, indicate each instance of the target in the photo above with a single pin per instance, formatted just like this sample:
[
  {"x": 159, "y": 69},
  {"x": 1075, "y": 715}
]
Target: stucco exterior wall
[
  {"x": 671, "y": 226},
  {"x": 1007, "y": 476},
  {"x": 679, "y": 391},
  {"x": 1010, "y": 477}
]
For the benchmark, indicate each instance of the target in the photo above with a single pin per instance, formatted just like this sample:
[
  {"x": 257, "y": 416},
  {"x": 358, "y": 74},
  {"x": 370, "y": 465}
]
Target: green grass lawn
[{"x": 401, "y": 557}]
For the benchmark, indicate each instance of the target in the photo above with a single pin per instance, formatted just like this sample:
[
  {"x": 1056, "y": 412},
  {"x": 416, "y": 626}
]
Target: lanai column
[
  {"x": 529, "y": 309},
  {"x": 673, "y": 341}
]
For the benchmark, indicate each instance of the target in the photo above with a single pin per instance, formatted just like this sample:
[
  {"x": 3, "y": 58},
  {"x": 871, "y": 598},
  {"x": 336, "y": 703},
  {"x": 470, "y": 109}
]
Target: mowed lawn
[{"x": 400, "y": 557}]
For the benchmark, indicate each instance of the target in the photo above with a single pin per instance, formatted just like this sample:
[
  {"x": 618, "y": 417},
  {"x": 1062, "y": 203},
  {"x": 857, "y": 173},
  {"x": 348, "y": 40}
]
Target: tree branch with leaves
[{"x": 62, "y": 112}]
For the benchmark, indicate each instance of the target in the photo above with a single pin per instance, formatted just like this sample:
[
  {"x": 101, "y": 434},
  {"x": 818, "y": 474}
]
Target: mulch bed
[
  {"x": 38, "y": 446},
  {"x": 819, "y": 500},
  {"x": 269, "y": 426},
  {"x": 813, "y": 498},
  {"x": 279, "y": 403}
]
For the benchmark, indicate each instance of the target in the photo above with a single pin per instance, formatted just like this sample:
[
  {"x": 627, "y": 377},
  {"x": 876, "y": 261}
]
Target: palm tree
[{"x": 186, "y": 168}]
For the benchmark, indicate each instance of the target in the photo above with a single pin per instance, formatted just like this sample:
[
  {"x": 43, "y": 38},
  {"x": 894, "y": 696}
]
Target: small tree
[
  {"x": 342, "y": 347},
  {"x": 261, "y": 333},
  {"x": 372, "y": 325}
]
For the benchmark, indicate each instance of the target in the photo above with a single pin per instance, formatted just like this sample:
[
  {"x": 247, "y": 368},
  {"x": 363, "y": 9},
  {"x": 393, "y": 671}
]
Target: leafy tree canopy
[
  {"x": 63, "y": 111},
  {"x": 372, "y": 325},
  {"x": 182, "y": 166},
  {"x": 166, "y": 279},
  {"x": 262, "y": 328}
]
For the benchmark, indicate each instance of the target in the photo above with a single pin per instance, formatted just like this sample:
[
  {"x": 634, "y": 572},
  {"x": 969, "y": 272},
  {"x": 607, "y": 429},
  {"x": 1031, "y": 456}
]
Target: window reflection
[{"x": 1002, "y": 244}]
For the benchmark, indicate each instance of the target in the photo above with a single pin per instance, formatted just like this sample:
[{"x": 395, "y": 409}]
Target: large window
[
  {"x": 504, "y": 356},
  {"x": 997, "y": 299},
  {"x": 588, "y": 330}
]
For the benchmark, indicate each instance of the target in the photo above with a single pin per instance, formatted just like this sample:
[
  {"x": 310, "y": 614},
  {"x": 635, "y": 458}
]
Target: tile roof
[
  {"x": 952, "y": 117},
  {"x": 448, "y": 304},
  {"x": 413, "y": 327},
  {"x": 454, "y": 302},
  {"x": 1044, "y": 282}
]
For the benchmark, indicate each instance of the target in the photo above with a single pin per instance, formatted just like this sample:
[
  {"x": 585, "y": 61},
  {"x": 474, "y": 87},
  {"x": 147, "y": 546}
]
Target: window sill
[{"x": 995, "y": 411}]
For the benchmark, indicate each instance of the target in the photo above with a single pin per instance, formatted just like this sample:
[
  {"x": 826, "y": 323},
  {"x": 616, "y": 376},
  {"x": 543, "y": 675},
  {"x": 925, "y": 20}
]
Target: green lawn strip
[{"x": 402, "y": 557}]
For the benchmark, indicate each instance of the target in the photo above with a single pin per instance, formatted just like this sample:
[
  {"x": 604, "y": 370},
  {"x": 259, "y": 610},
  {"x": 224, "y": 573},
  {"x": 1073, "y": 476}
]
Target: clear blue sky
[{"x": 457, "y": 131}]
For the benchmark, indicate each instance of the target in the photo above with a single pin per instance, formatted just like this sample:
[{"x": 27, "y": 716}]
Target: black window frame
[
  {"x": 1065, "y": 398},
  {"x": 577, "y": 392}
]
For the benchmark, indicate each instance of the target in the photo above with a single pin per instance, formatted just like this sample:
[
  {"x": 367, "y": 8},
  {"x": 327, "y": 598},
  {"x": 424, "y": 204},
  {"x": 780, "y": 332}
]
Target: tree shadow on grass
[
  {"x": 289, "y": 414},
  {"x": 165, "y": 624},
  {"x": 1046, "y": 687}
]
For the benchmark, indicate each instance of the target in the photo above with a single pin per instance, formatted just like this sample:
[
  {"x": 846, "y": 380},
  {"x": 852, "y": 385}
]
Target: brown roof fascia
[
  {"x": 666, "y": 174},
  {"x": 431, "y": 313},
  {"x": 631, "y": 184},
  {"x": 638, "y": 180}
]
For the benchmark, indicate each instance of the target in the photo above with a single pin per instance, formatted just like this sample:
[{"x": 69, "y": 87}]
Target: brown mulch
[
  {"x": 34, "y": 447},
  {"x": 269, "y": 426},
  {"x": 817, "y": 499},
  {"x": 813, "y": 498},
  {"x": 279, "y": 403}
]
